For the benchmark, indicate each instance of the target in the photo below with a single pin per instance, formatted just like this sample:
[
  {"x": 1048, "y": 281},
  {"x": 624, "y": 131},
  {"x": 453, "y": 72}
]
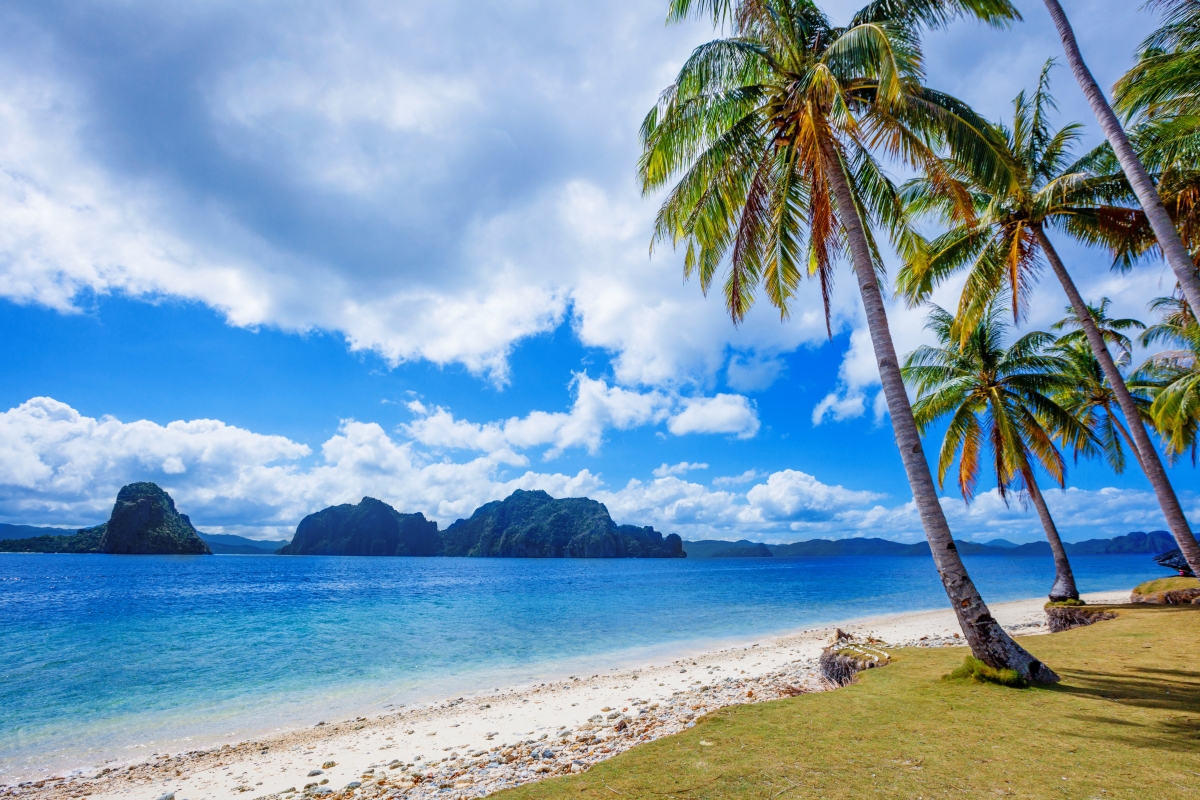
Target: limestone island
[
  {"x": 524, "y": 525},
  {"x": 143, "y": 522}
]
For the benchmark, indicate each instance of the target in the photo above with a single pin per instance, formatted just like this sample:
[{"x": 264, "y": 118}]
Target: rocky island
[
  {"x": 371, "y": 528},
  {"x": 535, "y": 525},
  {"x": 523, "y": 525},
  {"x": 144, "y": 521}
]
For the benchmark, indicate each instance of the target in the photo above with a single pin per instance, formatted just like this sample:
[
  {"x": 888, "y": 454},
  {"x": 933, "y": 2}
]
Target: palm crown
[
  {"x": 1040, "y": 186},
  {"x": 997, "y": 398},
  {"x": 1172, "y": 377},
  {"x": 1112, "y": 330},
  {"x": 1088, "y": 396},
  {"x": 755, "y": 122}
]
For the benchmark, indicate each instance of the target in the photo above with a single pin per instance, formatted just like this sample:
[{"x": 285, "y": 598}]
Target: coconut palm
[
  {"x": 1087, "y": 396},
  {"x": 998, "y": 399},
  {"x": 1172, "y": 377},
  {"x": 1139, "y": 180},
  {"x": 1003, "y": 243},
  {"x": 1164, "y": 84},
  {"x": 1111, "y": 330},
  {"x": 769, "y": 137}
]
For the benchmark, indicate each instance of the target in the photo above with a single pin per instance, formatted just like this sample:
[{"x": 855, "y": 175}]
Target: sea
[{"x": 118, "y": 657}]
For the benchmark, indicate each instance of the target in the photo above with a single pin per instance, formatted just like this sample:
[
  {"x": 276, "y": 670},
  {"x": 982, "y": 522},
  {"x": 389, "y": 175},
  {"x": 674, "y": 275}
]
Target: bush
[
  {"x": 977, "y": 670},
  {"x": 1070, "y": 601}
]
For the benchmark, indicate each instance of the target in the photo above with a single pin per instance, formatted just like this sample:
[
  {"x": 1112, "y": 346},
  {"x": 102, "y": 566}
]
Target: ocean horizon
[{"x": 119, "y": 657}]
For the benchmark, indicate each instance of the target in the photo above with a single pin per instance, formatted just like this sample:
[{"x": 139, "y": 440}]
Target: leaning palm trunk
[
  {"x": 1064, "y": 579},
  {"x": 988, "y": 641},
  {"x": 1147, "y": 455},
  {"x": 1147, "y": 195}
]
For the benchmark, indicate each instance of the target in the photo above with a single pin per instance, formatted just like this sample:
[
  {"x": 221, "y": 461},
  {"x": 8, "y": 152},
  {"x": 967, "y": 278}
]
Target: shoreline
[{"x": 484, "y": 741}]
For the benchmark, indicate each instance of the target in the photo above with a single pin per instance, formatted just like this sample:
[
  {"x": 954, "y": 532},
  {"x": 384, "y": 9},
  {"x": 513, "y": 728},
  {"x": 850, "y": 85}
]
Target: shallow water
[{"x": 120, "y": 656}]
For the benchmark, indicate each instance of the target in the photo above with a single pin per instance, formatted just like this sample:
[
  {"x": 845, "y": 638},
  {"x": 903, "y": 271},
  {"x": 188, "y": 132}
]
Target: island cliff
[
  {"x": 535, "y": 525},
  {"x": 143, "y": 522},
  {"x": 371, "y": 528}
]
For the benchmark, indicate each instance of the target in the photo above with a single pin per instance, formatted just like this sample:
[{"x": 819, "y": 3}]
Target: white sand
[{"x": 482, "y": 742}]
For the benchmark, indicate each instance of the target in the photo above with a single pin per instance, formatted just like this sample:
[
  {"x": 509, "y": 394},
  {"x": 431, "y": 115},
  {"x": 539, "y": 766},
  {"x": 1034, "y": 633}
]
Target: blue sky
[{"x": 276, "y": 256}]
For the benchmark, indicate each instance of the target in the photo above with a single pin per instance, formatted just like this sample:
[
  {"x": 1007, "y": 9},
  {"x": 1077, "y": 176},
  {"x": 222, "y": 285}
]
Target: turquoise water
[{"x": 121, "y": 656}]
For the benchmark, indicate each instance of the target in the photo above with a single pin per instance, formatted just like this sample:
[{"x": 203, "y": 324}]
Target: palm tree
[
  {"x": 1164, "y": 84},
  {"x": 1087, "y": 396},
  {"x": 770, "y": 134},
  {"x": 1003, "y": 241},
  {"x": 1156, "y": 214},
  {"x": 1172, "y": 377},
  {"x": 1111, "y": 330},
  {"x": 1000, "y": 399}
]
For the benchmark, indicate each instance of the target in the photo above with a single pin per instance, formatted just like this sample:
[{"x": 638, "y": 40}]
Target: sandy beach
[{"x": 471, "y": 745}]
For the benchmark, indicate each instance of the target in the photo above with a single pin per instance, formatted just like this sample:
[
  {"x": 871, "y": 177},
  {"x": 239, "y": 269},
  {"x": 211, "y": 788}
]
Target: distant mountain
[
  {"x": 848, "y": 547},
  {"x": 535, "y": 525},
  {"x": 231, "y": 545},
  {"x": 715, "y": 548},
  {"x": 1136, "y": 543},
  {"x": 8, "y": 531},
  {"x": 371, "y": 528},
  {"x": 85, "y": 540},
  {"x": 753, "y": 551},
  {"x": 228, "y": 544},
  {"x": 144, "y": 521}
]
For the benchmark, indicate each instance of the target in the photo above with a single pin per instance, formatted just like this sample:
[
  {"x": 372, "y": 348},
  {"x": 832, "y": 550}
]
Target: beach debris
[
  {"x": 315, "y": 772},
  {"x": 841, "y": 661},
  {"x": 329, "y": 765},
  {"x": 1064, "y": 618},
  {"x": 167, "y": 796}
]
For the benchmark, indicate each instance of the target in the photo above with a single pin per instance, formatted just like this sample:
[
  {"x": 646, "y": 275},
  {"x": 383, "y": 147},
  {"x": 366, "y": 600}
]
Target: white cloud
[
  {"x": 682, "y": 468},
  {"x": 790, "y": 495},
  {"x": 724, "y": 413},
  {"x": 597, "y": 407},
  {"x": 737, "y": 480}
]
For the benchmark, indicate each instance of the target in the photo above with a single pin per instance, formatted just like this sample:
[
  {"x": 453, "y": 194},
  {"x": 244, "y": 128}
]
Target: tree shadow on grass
[{"x": 1176, "y": 692}]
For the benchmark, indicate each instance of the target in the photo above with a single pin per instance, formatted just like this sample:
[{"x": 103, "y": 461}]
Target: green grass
[
  {"x": 1070, "y": 601},
  {"x": 1124, "y": 723},
  {"x": 1166, "y": 585},
  {"x": 976, "y": 670}
]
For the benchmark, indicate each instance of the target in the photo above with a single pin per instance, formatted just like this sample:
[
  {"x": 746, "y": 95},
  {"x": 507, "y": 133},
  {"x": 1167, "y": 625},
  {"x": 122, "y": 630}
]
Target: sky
[{"x": 276, "y": 256}]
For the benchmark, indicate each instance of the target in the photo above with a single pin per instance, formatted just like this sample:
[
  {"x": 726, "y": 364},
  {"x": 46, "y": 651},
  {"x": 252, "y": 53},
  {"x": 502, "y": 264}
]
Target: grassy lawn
[
  {"x": 1124, "y": 723},
  {"x": 1166, "y": 585}
]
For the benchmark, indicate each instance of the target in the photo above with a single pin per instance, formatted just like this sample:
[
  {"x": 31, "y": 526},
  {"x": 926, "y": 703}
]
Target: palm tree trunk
[
  {"x": 989, "y": 642},
  {"x": 1147, "y": 195},
  {"x": 1064, "y": 579},
  {"x": 1147, "y": 455}
]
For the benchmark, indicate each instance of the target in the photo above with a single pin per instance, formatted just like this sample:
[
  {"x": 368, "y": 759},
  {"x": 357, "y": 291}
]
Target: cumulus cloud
[
  {"x": 725, "y": 413},
  {"x": 682, "y": 468},
  {"x": 791, "y": 495},
  {"x": 737, "y": 480},
  {"x": 60, "y": 467},
  {"x": 453, "y": 178},
  {"x": 597, "y": 407}
]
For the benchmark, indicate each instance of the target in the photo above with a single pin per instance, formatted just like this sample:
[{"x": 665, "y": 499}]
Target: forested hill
[{"x": 1136, "y": 543}]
